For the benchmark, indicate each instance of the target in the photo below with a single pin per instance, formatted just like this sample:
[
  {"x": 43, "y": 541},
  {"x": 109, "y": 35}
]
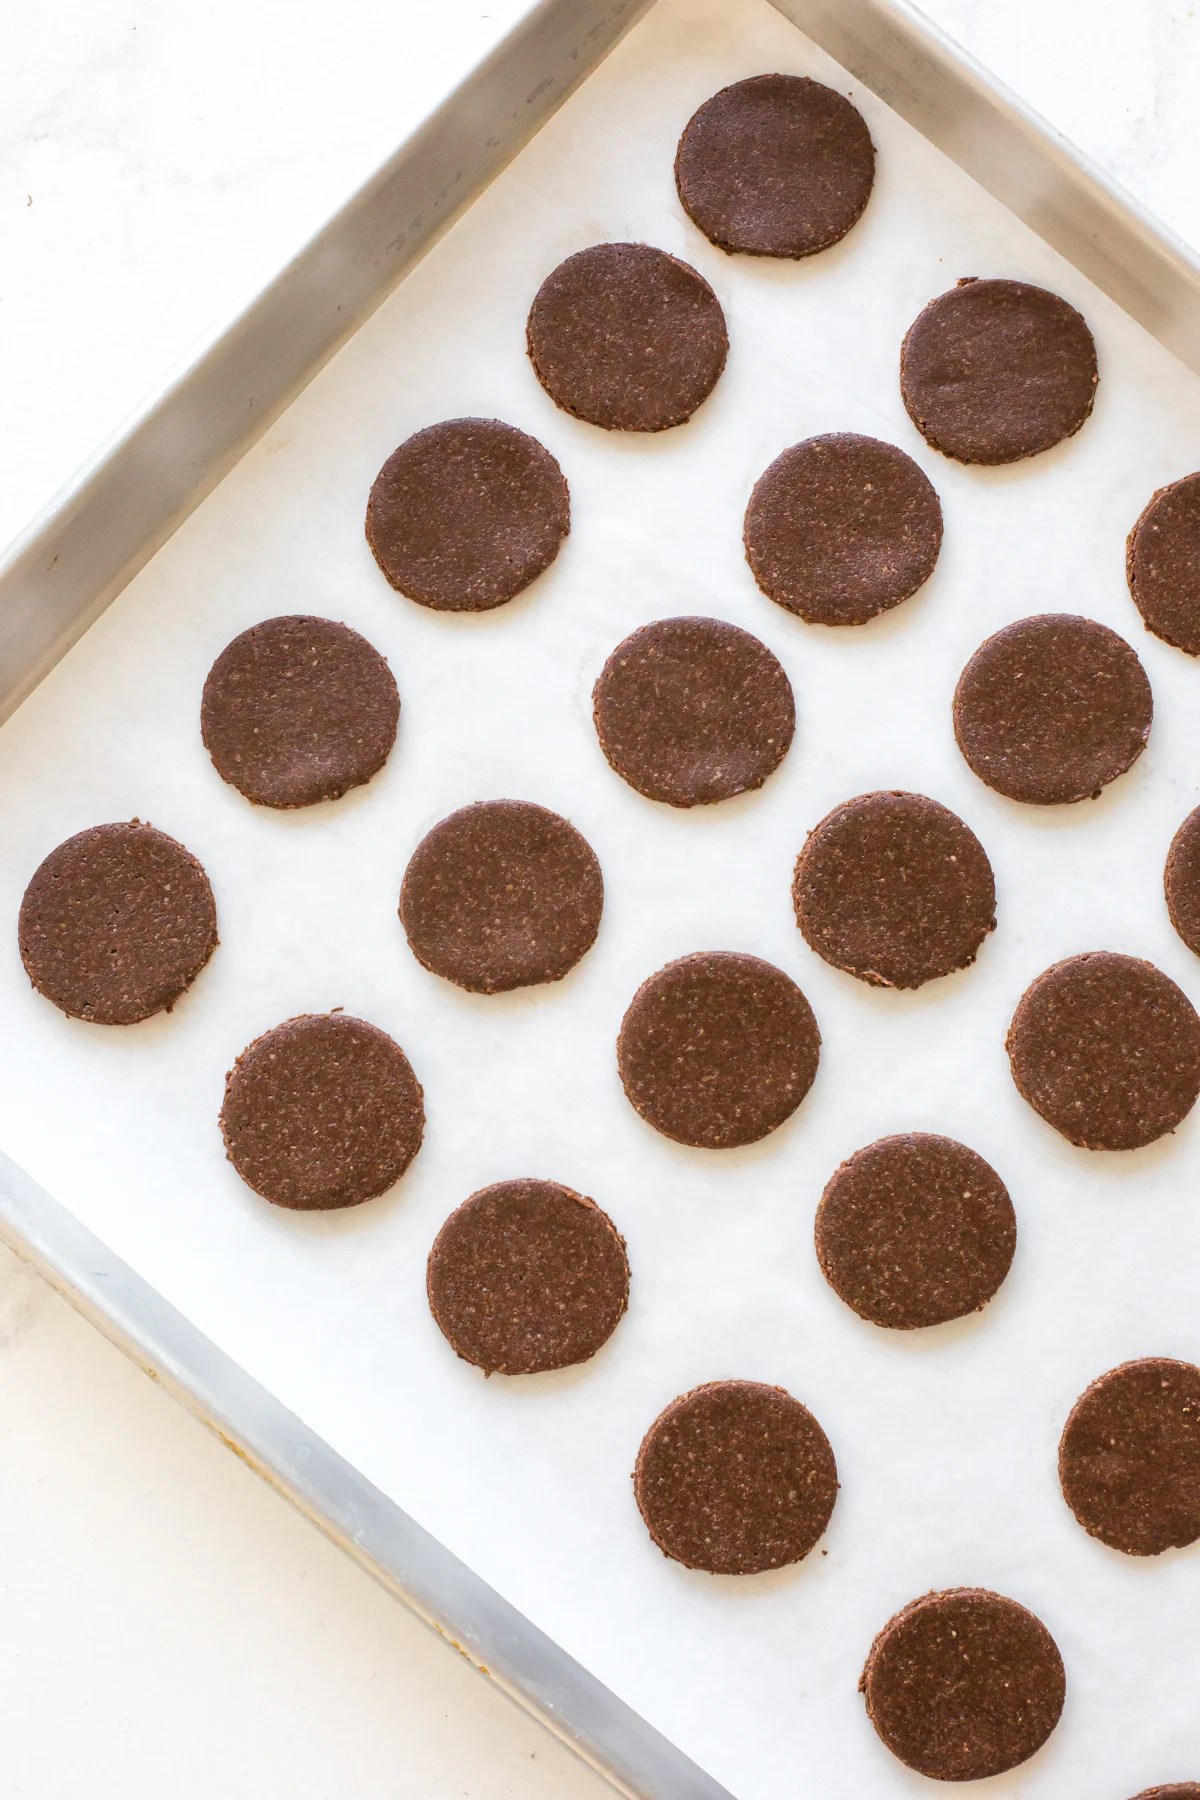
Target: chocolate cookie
[
  {"x": 1129, "y": 1460},
  {"x": 500, "y": 895},
  {"x": 690, "y": 711},
  {"x": 775, "y": 166},
  {"x": 322, "y": 1112},
  {"x": 117, "y": 923},
  {"x": 735, "y": 1477},
  {"x": 915, "y": 1230},
  {"x": 841, "y": 528},
  {"x": 466, "y": 513},
  {"x": 625, "y": 336},
  {"x": 526, "y": 1276},
  {"x": 1107, "y": 1049},
  {"x": 1174, "y": 1790},
  {"x": 718, "y": 1049},
  {"x": 1181, "y": 881},
  {"x": 964, "y": 1684},
  {"x": 1052, "y": 709},
  {"x": 1162, "y": 564},
  {"x": 994, "y": 371},
  {"x": 895, "y": 889},
  {"x": 297, "y": 710}
]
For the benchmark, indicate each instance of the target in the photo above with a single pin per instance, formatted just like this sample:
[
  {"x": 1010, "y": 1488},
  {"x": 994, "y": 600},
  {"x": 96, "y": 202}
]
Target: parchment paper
[{"x": 946, "y": 1439}]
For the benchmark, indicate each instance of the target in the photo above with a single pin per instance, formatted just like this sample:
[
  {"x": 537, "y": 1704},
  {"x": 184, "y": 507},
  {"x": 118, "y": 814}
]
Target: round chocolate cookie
[
  {"x": 466, "y": 513},
  {"x": 1107, "y": 1049},
  {"x": 735, "y": 1477},
  {"x": 526, "y": 1276},
  {"x": 690, "y": 711},
  {"x": 1162, "y": 564},
  {"x": 718, "y": 1049},
  {"x": 914, "y": 1230},
  {"x": 964, "y": 1684},
  {"x": 775, "y": 166},
  {"x": 116, "y": 923},
  {"x": 994, "y": 371},
  {"x": 841, "y": 528},
  {"x": 1181, "y": 881},
  {"x": 1174, "y": 1790},
  {"x": 500, "y": 895},
  {"x": 895, "y": 889},
  {"x": 625, "y": 336},
  {"x": 297, "y": 710},
  {"x": 1052, "y": 709},
  {"x": 322, "y": 1112},
  {"x": 1129, "y": 1459}
]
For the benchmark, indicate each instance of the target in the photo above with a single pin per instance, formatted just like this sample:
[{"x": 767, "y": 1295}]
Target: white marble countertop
[{"x": 166, "y": 1619}]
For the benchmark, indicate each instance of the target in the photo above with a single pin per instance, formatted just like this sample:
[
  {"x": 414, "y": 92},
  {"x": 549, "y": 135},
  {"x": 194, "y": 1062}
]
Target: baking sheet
[{"x": 945, "y": 1441}]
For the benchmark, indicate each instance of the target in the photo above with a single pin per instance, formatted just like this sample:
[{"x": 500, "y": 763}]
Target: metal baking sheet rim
[{"x": 109, "y": 521}]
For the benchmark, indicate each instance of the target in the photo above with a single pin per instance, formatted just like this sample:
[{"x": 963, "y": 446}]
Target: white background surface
[{"x": 171, "y": 158}]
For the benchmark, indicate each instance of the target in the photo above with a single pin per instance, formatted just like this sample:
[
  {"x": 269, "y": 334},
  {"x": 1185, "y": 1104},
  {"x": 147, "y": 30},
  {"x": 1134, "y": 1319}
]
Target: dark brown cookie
[
  {"x": 526, "y": 1276},
  {"x": 718, "y": 1049},
  {"x": 775, "y": 166},
  {"x": 690, "y": 711},
  {"x": 914, "y": 1230},
  {"x": 500, "y": 895},
  {"x": 841, "y": 528},
  {"x": 322, "y": 1112},
  {"x": 964, "y": 1684},
  {"x": 994, "y": 371},
  {"x": 1052, "y": 709},
  {"x": 895, "y": 889},
  {"x": 1174, "y": 1790},
  {"x": 297, "y": 710},
  {"x": 625, "y": 336},
  {"x": 1162, "y": 565},
  {"x": 1129, "y": 1459},
  {"x": 1107, "y": 1049},
  {"x": 466, "y": 513},
  {"x": 735, "y": 1477},
  {"x": 116, "y": 923},
  {"x": 1181, "y": 881}
]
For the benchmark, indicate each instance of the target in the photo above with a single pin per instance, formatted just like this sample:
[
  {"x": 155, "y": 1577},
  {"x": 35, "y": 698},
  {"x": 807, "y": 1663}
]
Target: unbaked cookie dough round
[
  {"x": 1107, "y": 1049},
  {"x": 994, "y": 371},
  {"x": 526, "y": 1276},
  {"x": 322, "y": 1112},
  {"x": 895, "y": 889},
  {"x": 465, "y": 514},
  {"x": 841, "y": 528},
  {"x": 718, "y": 1049},
  {"x": 627, "y": 337},
  {"x": 775, "y": 166},
  {"x": 964, "y": 1684},
  {"x": 503, "y": 894},
  {"x": 735, "y": 1477},
  {"x": 1129, "y": 1459},
  {"x": 1051, "y": 709},
  {"x": 915, "y": 1230},
  {"x": 1181, "y": 881},
  {"x": 691, "y": 711},
  {"x": 117, "y": 923},
  {"x": 1162, "y": 565},
  {"x": 297, "y": 710}
]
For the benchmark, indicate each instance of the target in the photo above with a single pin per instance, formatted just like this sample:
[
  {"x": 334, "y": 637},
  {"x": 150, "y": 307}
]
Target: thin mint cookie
[
  {"x": 1129, "y": 1459},
  {"x": 1162, "y": 564},
  {"x": 465, "y": 514},
  {"x": 627, "y": 337},
  {"x": 527, "y": 1276},
  {"x": 895, "y": 889},
  {"x": 117, "y": 923},
  {"x": 994, "y": 371},
  {"x": 691, "y": 711},
  {"x": 1181, "y": 881},
  {"x": 1107, "y": 1049},
  {"x": 915, "y": 1230},
  {"x": 735, "y": 1477},
  {"x": 503, "y": 894},
  {"x": 297, "y": 710},
  {"x": 775, "y": 166},
  {"x": 841, "y": 528},
  {"x": 1052, "y": 708}
]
